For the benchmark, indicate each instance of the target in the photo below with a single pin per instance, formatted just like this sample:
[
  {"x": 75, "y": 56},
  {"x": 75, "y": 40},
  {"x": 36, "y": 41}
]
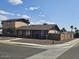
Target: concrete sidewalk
[{"x": 55, "y": 50}]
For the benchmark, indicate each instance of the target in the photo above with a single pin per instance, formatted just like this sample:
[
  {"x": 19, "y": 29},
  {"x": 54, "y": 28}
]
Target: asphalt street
[
  {"x": 72, "y": 53},
  {"x": 17, "y": 52}
]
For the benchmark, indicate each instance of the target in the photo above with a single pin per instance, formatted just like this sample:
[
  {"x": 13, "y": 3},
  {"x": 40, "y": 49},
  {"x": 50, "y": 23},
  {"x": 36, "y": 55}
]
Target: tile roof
[
  {"x": 39, "y": 27},
  {"x": 22, "y": 19}
]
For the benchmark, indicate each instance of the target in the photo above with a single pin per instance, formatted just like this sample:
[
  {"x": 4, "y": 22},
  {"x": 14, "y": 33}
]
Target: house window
[
  {"x": 42, "y": 33},
  {"x": 27, "y": 33},
  {"x": 19, "y": 32}
]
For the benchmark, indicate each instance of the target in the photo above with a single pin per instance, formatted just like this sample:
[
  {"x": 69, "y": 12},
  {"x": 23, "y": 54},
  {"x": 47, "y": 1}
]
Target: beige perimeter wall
[{"x": 67, "y": 36}]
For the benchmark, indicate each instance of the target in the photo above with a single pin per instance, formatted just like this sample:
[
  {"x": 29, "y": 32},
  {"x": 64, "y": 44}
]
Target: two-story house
[{"x": 9, "y": 26}]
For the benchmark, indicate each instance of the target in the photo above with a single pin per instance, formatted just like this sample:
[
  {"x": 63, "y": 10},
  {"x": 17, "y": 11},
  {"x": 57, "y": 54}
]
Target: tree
[
  {"x": 77, "y": 33},
  {"x": 71, "y": 28},
  {"x": 63, "y": 30},
  {"x": 75, "y": 29}
]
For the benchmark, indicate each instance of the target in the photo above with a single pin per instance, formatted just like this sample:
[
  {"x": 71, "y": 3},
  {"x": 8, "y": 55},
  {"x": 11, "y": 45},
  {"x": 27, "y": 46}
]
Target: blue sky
[{"x": 62, "y": 12}]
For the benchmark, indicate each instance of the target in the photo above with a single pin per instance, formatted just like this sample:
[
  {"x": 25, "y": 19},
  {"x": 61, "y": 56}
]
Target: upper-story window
[{"x": 7, "y": 24}]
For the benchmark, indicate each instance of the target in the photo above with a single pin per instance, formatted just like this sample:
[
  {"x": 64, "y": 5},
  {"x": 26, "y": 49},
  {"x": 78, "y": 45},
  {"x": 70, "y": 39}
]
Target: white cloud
[
  {"x": 5, "y": 12},
  {"x": 45, "y": 21},
  {"x": 33, "y": 8},
  {"x": 42, "y": 21},
  {"x": 25, "y": 16},
  {"x": 49, "y": 22},
  {"x": 15, "y": 2},
  {"x": 18, "y": 15},
  {"x": 2, "y": 17},
  {"x": 42, "y": 15},
  {"x": 2, "y": 12}
]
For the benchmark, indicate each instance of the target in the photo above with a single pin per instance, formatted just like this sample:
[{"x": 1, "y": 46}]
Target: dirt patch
[{"x": 35, "y": 41}]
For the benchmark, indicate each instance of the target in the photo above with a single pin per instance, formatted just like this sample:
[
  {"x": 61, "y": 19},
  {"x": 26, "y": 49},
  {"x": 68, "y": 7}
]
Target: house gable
[
  {"x": 55, "y": 27},
  {"x": 6, "y": 24},
  {"x": 20, "y": 24}
]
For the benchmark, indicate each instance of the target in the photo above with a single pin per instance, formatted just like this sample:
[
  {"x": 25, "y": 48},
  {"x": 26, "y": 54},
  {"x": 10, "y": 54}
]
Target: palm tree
[
  {"x": 71, "y": 28},
  {"x": 75, "y": 29}
]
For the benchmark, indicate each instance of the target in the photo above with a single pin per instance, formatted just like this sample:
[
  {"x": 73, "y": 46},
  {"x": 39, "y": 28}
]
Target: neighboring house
[
  {"x": 45, "y": 31},
  {"x": 9, "y": 26}
]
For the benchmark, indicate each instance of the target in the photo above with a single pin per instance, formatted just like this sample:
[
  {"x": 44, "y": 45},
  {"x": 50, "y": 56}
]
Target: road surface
[{"x": 17, "y": 52}]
